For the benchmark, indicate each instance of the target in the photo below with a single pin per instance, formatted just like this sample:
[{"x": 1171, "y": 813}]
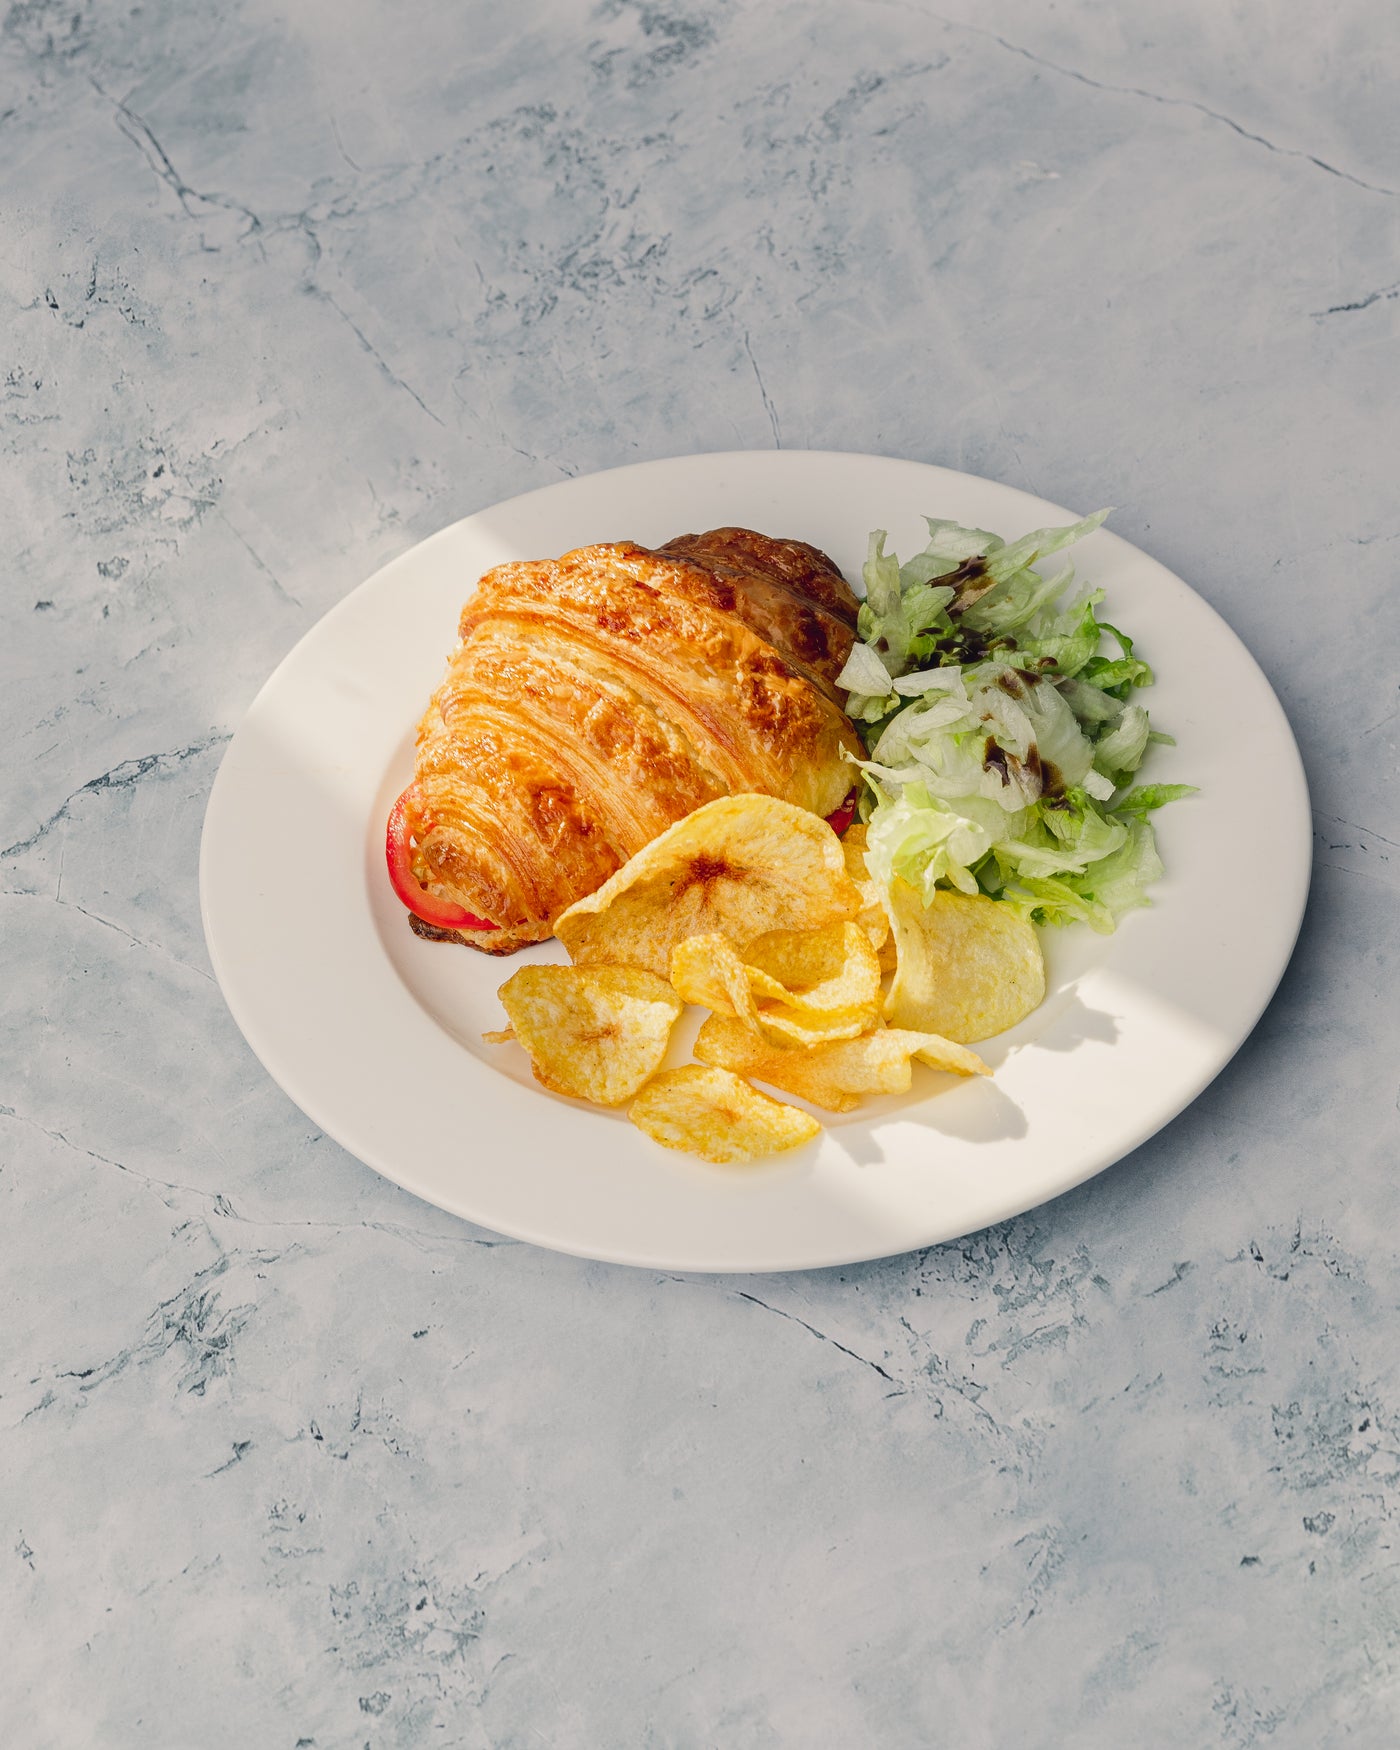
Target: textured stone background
[{"x": 289, "y": 1459}]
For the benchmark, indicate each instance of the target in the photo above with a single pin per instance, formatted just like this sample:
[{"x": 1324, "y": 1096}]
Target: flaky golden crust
[{"x": 596, "y": 699}]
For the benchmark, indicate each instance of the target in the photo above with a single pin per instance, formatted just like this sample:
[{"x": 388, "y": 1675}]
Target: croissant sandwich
[{"x": 596, "y": 699}]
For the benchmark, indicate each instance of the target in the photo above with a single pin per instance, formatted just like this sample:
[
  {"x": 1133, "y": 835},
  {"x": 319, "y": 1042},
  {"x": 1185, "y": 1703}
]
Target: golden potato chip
[
  {"x": 817, "y": 972},
  {"x": 710, "y": 1112},
  {"x": 783, "y": 1026},
  {"x": 877, "y": 927},
  {"x": 594, "y": 1032},
  {"x": 872, "y": 917},
  {"x": 734, "y": 1045},
  {"x": 833, "y": 1075},
  {"x": 708, "y": 970},
  {"x": 968, "y": 967},
  {"x": 739, "y": 866}
]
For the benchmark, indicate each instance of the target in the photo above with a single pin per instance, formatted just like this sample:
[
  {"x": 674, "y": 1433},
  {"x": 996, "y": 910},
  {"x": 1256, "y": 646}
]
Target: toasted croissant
[{"x": 596, "y": 699}]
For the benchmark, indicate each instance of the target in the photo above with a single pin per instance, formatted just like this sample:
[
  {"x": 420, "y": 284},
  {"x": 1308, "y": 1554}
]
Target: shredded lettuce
[
  {"x": 918, "y": 837},
  {"x": 1001, "y": 737},
  {"x": 864, "y": 672},
  {"x": 994, "y": 589},
  {"x": 1118, "y": 753}
]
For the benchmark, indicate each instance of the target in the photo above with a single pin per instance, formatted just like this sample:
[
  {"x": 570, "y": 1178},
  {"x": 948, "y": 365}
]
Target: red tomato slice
[
  {"x": 844, "y": 815},
  {"x": 398, "y": 855}
]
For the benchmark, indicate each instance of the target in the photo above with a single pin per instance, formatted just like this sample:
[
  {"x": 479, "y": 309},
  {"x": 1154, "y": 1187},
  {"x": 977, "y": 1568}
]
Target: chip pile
[{"x": 753, "y": 909}]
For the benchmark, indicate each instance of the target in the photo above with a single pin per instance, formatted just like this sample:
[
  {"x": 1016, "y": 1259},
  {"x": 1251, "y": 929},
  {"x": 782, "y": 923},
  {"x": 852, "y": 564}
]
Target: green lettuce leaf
[
  {"x": 1143, "y": 798},
  {"x": 1100, "y": 895}
]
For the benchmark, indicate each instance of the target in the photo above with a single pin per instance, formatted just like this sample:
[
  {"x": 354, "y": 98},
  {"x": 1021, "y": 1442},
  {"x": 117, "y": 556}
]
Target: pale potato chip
[
  {"x": 872, "y": 917},
  {"x": 709, "y": 1112},
  {"x": 708, "y": 970},
  {"x": 594, "y": 1032},
  {"x": 739, "y": 867},
  {"x": 833, "y": 1075},
  {"x": 938, "y": 1053},
  {"x": 968, "y": 967}
]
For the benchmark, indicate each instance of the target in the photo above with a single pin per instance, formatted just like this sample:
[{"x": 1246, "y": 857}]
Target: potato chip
[
  {"x": 872, "y": 917},
  {"x": 709, "y": 1112},
  {"x": 734, "y": 1045},
  {"x": 817, "y": 972},
  {"x": 833, "y": 1075},
  {"x": 708, "y": 970},
  {"x": 594, "y": 1032},
  {"x": 782, "y": 1026},
  {"x": 968, "y": 967},
  {"x": 739, "y": 866}
]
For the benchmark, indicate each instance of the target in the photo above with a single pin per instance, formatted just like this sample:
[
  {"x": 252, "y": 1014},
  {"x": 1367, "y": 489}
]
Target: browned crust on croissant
[
  {"x": 488, "y": 941},
  {"x": 804, "y": 570},
  {"x": 789, "y": 593},
  {"x": 597, "y": 698}
]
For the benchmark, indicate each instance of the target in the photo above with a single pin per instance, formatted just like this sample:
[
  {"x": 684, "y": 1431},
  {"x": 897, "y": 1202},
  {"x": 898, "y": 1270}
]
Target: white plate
[{"x": 376, "y": 1035}]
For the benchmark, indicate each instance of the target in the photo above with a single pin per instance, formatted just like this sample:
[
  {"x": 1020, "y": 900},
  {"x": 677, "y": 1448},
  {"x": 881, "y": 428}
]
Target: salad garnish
[{"x": 1001, "y": 731}]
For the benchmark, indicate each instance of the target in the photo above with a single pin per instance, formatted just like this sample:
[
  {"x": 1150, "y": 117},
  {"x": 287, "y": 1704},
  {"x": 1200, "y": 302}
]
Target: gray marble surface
[{"x": 290, "y": 1459}]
